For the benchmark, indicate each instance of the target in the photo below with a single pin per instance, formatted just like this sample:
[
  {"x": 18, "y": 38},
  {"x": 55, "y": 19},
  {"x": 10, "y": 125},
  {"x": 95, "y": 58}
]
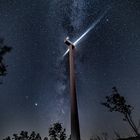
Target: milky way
[{"x": 35, "y": 91}]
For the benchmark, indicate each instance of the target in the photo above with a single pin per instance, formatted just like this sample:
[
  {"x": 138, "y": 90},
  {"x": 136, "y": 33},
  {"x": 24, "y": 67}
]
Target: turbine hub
[{"x": 68, "y": 42}]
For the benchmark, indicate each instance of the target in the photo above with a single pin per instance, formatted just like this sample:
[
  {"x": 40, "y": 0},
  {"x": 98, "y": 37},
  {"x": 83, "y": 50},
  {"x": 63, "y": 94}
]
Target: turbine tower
[{"x": 75, "y": 129}]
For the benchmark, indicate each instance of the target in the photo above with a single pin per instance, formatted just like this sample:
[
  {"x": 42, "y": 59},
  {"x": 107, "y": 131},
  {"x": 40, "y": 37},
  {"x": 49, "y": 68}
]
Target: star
[
  {"x": 36, "y": 104},
  {"x": 107, "y": 19}
]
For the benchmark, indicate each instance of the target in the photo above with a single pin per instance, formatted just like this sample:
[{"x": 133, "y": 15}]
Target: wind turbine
[{"x": 75, "y": 129}]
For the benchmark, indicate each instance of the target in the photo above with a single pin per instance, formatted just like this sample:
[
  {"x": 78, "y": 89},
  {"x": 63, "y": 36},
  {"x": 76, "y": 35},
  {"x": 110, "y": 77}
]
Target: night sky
[{"x": 35, "y": 93}]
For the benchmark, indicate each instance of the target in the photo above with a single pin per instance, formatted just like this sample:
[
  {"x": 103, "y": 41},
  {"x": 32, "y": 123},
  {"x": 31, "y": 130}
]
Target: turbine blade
[
  {"x": 90, "y": 28},
  {"x": 66, "y": 52}
]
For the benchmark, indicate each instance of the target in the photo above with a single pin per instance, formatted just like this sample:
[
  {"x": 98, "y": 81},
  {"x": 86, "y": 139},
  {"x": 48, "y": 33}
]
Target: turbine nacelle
[{"x": 68, "y": 42}]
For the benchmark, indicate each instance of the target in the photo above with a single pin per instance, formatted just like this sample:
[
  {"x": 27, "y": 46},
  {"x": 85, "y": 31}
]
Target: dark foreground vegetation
[
  {"x": 4, "y": 49},
  {"x": 56, "y": 132},
  {"x": 117, "y": 103},
  {"x": 114, "y": 103}
]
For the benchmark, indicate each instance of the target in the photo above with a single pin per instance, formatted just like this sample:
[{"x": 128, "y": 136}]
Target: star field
[{"x": 35, "y": 93}]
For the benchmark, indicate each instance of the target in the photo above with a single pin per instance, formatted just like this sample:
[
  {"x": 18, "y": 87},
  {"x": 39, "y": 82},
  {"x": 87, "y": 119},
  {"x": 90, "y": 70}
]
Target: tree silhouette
[
  {"x": 117, "y": 103},
  {"x": 24, "y": 135},
  {"x": 32, "y": 136},
  {"x": 7, "y": 138},
  {"x": 38, "y": 137},
  {"x": 46, "y": 138},
  {"x": 57, "y": 132},
  {"x": 3, "y": 50},
  {"x": 15, "y": 137}
]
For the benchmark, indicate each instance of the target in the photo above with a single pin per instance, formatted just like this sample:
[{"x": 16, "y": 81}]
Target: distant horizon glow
[{"x": 87, "y": 31}]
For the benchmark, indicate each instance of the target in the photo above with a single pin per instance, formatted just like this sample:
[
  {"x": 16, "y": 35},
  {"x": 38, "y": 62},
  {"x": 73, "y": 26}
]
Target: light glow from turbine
[
  {"x": 87, "y": 31},
  {"x": 90, "y": 28},
  {"x": 66, "y": 52}
]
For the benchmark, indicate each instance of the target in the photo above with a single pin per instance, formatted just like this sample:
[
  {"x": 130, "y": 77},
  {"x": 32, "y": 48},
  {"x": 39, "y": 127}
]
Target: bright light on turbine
[
  {"x": 66, "y": 52},
  {"x": 90, "y": 28},
  {"x": 85, "y": 33}
]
